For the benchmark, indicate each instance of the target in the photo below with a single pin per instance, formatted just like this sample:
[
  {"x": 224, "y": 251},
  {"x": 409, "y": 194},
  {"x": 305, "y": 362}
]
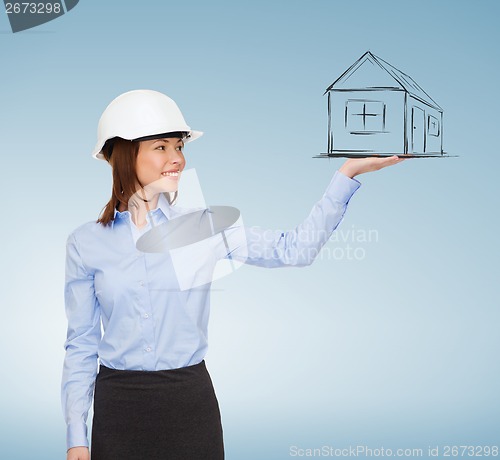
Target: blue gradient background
[{"x": 399, "y": 349}]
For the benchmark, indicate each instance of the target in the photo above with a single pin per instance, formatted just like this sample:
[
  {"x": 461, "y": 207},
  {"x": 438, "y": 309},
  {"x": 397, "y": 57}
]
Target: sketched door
[{"x": 418, "y": 130}]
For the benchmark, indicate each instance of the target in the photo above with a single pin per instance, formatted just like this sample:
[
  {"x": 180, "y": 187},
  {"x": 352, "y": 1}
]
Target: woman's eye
[{"x": 163, "y": 147}]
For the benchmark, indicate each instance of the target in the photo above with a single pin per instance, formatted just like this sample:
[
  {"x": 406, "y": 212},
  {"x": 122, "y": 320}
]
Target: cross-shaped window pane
[
  {"x": 432, "y": 126},
  {"x": 365, "y": 116}
]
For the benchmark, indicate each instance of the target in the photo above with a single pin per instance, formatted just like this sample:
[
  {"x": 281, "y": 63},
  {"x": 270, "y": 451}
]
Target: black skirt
[{"x": 156, "y": 415}]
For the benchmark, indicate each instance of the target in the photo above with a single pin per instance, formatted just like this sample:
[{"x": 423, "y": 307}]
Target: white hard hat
[{"x": 139, "y": 114}]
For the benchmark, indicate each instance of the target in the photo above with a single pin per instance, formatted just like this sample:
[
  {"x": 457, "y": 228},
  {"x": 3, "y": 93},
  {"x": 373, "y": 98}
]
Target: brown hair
[{"x": 122, "y": 156}]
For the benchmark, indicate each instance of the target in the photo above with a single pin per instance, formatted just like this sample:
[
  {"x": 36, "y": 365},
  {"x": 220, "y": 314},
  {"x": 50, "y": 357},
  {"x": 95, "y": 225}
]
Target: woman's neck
[{"x": 139, "y": 205}]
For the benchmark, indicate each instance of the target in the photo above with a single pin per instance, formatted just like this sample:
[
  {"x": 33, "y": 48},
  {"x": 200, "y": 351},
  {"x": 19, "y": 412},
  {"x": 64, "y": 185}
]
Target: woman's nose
[{"x": 175, "y": 157}]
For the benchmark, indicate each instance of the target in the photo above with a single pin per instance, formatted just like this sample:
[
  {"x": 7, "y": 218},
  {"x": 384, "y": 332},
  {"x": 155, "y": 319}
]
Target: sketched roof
[{"x": 404, "y": 81}]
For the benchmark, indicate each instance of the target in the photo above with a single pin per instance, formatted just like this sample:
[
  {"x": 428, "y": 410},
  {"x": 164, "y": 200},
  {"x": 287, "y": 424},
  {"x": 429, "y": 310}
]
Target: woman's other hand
[
  {"x": 356, "y": 166},
  {"x": 78, "y": 453}
]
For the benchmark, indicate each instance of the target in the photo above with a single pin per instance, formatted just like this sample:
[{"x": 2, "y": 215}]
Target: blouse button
[
  {"x": 148, "y": 349},
  {"x": 146, "y": 315}
]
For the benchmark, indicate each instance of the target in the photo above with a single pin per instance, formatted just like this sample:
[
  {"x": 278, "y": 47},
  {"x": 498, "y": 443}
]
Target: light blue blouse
[{"x": 127, "y": 309}]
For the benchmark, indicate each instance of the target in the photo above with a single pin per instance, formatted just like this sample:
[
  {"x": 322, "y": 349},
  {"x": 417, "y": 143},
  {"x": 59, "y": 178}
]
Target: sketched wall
[
  {"x": 368, "y": 121},
  {"x": 424, "y": 125},
  {"x": 374, "y": 108}
]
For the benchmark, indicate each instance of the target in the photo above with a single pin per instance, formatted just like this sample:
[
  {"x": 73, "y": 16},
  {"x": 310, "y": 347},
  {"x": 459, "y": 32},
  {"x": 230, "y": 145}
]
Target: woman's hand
[
  {"x": 356, "y": 166},
  {"x": 78, "y": 453}
]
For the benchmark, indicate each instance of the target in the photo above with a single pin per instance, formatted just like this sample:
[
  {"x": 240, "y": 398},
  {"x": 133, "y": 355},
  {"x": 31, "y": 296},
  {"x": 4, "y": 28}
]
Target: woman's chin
[{"x": 165, "y": 184}]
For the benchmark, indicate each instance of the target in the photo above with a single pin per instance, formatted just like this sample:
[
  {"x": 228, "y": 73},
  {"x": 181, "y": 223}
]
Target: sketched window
[
  {"x": 432, "y": 126},
  {"x": 362, "y": 116}
]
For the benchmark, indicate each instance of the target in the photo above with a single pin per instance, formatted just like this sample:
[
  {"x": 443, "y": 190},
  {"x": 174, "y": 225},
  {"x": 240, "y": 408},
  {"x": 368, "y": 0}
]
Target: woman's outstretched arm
[{"x": 300, "y": 246}]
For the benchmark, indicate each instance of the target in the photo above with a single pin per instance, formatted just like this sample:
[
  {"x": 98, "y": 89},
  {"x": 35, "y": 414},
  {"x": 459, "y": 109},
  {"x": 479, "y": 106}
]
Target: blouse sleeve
[
  {"x": 83, "y": 337},
  {"x": 300, "y": 246}
]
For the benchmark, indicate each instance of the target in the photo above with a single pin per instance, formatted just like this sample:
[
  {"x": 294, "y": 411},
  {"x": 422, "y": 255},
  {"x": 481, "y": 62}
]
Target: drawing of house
[{"x": 375, "y": 109}]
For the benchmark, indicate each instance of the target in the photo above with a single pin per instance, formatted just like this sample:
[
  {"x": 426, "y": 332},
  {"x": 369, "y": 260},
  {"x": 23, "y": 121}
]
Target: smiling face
[{"x": 159, "y": 163}]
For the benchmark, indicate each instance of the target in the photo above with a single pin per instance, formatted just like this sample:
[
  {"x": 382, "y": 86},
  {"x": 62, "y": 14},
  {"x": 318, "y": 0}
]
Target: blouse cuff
[
  {"x": 341, "y": 187},
  {"x": 76, "y": 435}
]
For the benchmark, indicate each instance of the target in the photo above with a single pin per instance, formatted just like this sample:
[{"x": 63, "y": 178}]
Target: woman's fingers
[
  {"x": 380, "y": 163},
  {"x": 356, "y": 166}
]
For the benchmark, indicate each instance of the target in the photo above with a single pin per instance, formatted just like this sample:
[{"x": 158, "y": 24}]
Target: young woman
[{"x": 127, "y": 309}]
